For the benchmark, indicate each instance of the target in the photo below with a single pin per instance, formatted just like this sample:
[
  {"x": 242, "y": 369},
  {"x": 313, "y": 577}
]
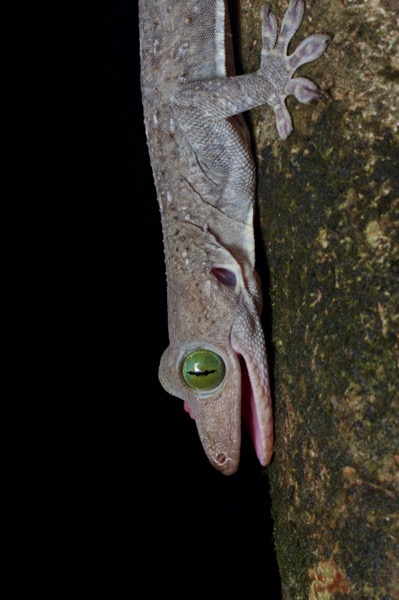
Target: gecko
[{"x": 204, "y": 175}]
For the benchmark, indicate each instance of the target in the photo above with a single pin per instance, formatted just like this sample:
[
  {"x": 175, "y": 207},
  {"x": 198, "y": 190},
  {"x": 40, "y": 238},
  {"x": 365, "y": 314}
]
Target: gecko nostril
[{"x": 221, "y": 459}]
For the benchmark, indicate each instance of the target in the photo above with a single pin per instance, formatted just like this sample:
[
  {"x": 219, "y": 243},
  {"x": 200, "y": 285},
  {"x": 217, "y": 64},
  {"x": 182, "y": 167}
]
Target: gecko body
[{"x": 205, "y": 180}]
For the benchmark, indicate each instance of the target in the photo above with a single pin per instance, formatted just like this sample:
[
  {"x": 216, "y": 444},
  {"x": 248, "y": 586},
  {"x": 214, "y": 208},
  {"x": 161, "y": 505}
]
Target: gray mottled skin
[{"x": 205, "y": 180}]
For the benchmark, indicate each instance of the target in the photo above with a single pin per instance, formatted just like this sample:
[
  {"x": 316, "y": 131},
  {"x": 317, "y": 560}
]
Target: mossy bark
[{"x": 328, "y": 203}]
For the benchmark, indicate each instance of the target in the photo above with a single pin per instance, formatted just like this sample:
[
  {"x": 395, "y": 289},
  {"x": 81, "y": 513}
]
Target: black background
[{"x": 111, "y": 493}]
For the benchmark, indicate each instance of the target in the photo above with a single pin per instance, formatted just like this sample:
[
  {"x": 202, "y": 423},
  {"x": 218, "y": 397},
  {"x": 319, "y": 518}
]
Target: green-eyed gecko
[{"x": 205, "y": 180}]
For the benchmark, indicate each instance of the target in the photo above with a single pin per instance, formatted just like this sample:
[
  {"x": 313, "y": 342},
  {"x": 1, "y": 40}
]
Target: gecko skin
[{"x": 205, "y": 181}]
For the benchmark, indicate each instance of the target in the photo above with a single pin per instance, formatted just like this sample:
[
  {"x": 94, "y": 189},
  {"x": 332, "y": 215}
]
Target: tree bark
[{"x": 328, "y": 203}]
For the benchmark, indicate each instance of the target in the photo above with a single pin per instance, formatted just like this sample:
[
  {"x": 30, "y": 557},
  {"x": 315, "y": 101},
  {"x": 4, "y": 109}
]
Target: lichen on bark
[{"x": 328, "y": 204}]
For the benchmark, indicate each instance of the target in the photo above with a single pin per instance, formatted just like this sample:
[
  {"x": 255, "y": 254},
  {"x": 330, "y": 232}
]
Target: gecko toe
[
  {"x": 291, "y": 22},
  {"x": 283, "y": 120},
  {"x": 308, "y": 50},
  {"x": 304, "y": 90},
  {"x": 269, "y": 28}
]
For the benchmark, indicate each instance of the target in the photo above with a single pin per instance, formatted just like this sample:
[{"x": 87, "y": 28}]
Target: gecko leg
[{"x": 278, "y": 66}]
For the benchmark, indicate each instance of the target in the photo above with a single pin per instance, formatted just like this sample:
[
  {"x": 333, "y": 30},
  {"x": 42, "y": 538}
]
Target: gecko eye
[{"x": 203, "y": 370}]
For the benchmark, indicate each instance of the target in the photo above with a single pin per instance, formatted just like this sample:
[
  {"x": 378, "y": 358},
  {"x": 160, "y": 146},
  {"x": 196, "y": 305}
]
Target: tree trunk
[{"x": 328, "y": 207}]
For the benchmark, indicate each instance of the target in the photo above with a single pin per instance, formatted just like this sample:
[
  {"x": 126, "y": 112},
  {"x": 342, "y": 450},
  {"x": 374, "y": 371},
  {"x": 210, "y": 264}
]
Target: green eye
[{"x": 203, "y": 370}]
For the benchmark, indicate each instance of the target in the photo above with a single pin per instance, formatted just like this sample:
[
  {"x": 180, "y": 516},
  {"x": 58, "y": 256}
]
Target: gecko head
[
  {"x": 219, "y": 386},
  {"x": 216, "y": 361},
  {"x": 208, "y": 379}
]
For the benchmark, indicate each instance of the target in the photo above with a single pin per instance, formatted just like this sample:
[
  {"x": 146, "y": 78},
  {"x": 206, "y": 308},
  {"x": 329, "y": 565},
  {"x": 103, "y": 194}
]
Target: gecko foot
[{"x": 278, "y": 67}]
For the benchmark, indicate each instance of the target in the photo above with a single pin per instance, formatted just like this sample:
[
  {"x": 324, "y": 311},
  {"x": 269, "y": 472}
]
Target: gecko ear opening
[{"x": 225, "y": 276}]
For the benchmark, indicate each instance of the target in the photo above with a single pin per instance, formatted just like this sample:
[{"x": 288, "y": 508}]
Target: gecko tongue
[
  {"x": 188, "y": 410},
  {"x": 248, "y": 410}
]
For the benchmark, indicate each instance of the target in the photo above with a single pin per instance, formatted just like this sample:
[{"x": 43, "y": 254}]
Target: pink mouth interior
[
  {"x": 188, "y": 410},
  {"x": 248, "y": 410}
]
